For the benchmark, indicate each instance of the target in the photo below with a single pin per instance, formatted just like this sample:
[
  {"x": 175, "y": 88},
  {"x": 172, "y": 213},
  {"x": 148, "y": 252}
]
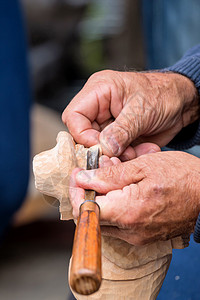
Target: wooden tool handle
[{"x": 85, "y": 273}]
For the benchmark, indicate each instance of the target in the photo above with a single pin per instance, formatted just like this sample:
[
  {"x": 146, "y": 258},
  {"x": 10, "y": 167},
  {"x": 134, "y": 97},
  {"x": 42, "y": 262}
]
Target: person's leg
[{"x": 14, "y": 111}]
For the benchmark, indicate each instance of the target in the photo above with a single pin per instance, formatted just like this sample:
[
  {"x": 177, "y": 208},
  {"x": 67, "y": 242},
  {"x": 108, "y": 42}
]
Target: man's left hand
[{"x": 155, "y": 196}]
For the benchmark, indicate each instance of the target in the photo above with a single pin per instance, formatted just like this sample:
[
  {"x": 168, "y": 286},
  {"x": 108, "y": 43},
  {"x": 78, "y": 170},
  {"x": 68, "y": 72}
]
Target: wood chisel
[{"x": 85, "y": 273}]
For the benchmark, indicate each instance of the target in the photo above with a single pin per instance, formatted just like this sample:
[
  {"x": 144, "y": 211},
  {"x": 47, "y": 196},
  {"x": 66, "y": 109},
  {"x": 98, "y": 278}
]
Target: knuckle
[
  {"x": 101, "y": 75},
  {"x": 94, "y": 76},
  {"x": 66, "y": 114},
  {"x": 63, "y": 117},
  {"x": 107, "y": 173}
]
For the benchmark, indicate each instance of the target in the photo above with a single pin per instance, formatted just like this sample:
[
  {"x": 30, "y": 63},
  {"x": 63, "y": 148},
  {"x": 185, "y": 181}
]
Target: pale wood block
[
  {"x": 143, "y": 288},
  {"x": 129, "y": 272}
]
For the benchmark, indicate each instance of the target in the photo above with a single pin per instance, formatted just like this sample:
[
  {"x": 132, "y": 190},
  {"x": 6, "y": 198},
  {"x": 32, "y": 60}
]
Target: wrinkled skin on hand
[
  {"x": 154, "y": 196},
  {"x": 123, "y": 109}
]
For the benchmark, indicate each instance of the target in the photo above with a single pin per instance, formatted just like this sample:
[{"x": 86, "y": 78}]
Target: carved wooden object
[{"x": 129, "y": 272}]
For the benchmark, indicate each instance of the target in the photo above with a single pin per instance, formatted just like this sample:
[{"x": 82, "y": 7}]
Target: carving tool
[{"x": 85, "y": 272}]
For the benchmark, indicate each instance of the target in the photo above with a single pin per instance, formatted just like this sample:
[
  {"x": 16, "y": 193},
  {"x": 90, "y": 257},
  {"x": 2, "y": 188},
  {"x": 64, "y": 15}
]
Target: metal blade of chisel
[{"x": 92, "y": 163}]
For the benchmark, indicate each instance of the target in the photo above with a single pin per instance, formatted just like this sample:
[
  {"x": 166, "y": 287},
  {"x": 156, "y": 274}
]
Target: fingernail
[
  {"x": 101, "y": 159},
  {"x": 85, "y": 176}
]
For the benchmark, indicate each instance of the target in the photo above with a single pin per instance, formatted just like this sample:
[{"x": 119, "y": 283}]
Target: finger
[
  {"x": 111, "y": 178},
  {"x": 117, "y": 136},
  {"x": 76, "y": 193},
  {"x": 81, "y": 129},
  {"x": 122, "y": 234},
  {"x": 145, "y": 148},
  {"x": 96, "y": 126},
  {"x": 115, "y": 160},
  {"x": 105, "y": 161},
  {"x": 120, "y": 207},
  {"x": 81, "y": 119},
  {"x": 128, "y": 154}
]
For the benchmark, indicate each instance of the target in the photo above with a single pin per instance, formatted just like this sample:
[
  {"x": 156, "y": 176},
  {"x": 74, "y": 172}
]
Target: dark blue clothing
[
  {"x": 182, "y": 280},
  {"x": 188, "y": 65},
  {"x": 14, "y": 111}
]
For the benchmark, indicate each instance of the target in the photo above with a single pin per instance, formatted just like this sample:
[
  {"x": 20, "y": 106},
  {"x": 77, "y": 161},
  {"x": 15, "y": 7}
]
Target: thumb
[
  {"x": 111, "y": 178},
  {"x": 119, "y": 134}
]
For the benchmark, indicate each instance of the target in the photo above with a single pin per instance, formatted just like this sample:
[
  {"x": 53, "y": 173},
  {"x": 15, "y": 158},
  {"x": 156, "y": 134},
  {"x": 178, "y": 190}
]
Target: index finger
[
  {"x": 86, "y": 112},
  {"x": 117, "y": 208},
  {"x": 78, "y": 118}
]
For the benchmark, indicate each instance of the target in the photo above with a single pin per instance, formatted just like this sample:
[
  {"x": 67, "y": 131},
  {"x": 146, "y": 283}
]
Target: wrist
[{"x": 189, "y": 97}]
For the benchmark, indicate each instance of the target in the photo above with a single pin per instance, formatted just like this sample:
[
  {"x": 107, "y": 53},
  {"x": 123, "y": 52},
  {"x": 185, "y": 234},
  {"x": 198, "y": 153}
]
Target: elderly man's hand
[
  {"x": 155, "y": 196},
  {"x": 118, "y": 109}
]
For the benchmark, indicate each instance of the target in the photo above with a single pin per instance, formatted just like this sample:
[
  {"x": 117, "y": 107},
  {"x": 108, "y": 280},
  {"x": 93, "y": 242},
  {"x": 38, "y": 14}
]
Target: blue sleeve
[
  {"x": 15, "y": 99},
  {"x": 189, "y": 66}
]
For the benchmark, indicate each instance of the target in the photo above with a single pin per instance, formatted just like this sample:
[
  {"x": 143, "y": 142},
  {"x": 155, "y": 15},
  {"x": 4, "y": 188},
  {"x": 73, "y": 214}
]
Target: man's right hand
[{"x": 119, "y": 109}]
